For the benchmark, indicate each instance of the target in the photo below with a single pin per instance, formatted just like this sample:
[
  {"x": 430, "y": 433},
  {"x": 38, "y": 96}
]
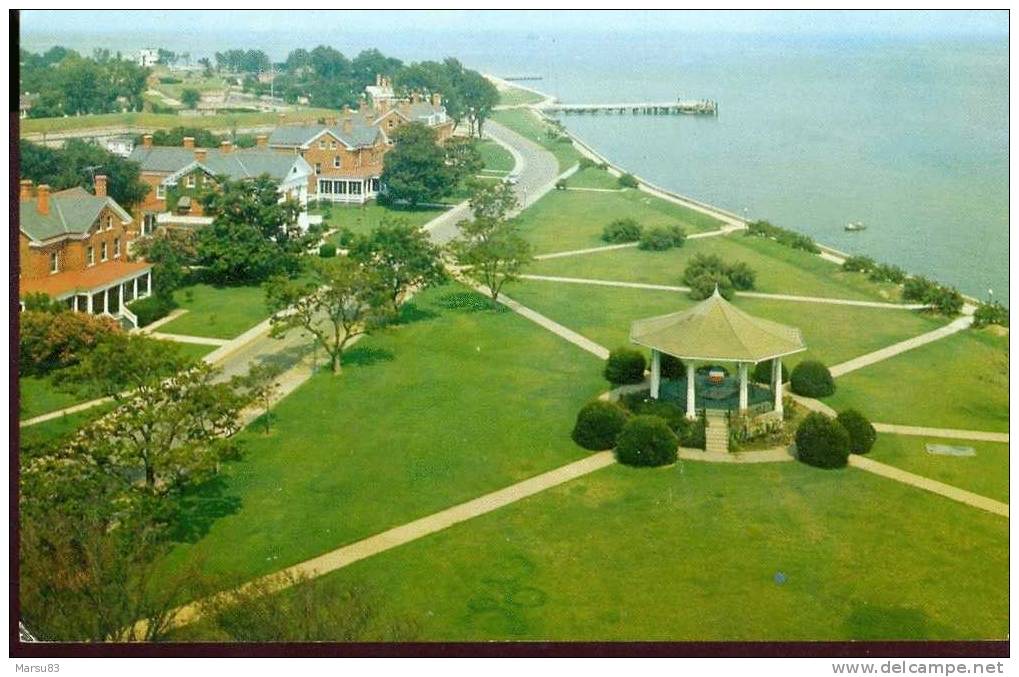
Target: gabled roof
[
  {"x": 71, "y": 212},
  {"x": 361, "y": 134},
  {"x": 715, "y": 329},
  {"x": 166, "y": 159},
  {"x": 240, "y": 163}
]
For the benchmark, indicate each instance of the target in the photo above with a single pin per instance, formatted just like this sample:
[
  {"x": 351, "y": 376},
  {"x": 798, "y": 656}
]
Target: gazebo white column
[
  {"x": 691, "y": 398},
  {"x": 776, "y": 379},
  {"x": 742, "y": 386},
  {"x": 656, "y": 373}
]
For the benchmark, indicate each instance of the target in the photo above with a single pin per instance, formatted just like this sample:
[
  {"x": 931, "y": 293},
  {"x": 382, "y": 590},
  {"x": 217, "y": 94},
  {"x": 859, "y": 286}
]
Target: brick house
[
  {"x": 73, "y": 248},
  {"x": 391, "y": 113},
  {"x": 177, "y": 175}
]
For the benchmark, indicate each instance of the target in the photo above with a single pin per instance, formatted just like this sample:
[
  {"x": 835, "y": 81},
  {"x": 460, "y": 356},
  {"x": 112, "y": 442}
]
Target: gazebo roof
[{"x": 715, "y": 329}]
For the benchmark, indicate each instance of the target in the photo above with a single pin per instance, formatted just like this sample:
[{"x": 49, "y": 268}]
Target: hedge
[
  {"x": 691, "y": 433},
  {"x": 598, "y": 424},
  {"x": 625, "y": 365},
  {"x": 151, "y": 308},
  {"x": 990, "y": 313},
  {"x": 762, "y": 372},
  {"x": 822, "y": 442},
  {"x": 810, "y": 378},
  {"x": 646, "y": 441},
  {"x": 861, "y": 433}
]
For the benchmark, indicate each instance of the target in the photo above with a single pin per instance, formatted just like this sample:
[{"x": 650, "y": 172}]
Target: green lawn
[
  {"x": 779, "y": 269},
  {"x": 362, "y": 219},
  {"x": 58, "y": 428},
  {"x": 956, "y": 382},
  {"x": 166, "y": 120},
  {"x": 495, "y": 157},
  {"x": 593, "y": 177},
  {"x": 530, "y": 126},
  {"x": 703, "y": 552},
  {"x": 565, "y": 219},
  {"x": 604, "y": 314},
  {"x": 39, "y": 396},
  {"x": 458, "y": 402},
  {"x": 514, "y": 96},
  {"x": 217, "y": 312},
  {"x": 985, "y": 474}
]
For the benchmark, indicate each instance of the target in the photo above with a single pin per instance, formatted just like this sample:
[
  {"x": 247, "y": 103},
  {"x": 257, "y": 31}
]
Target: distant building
[
  {"x": 120, "y": 145},
  {"x": 146, "y": 58},
  {"x": 25, "y": 102}
]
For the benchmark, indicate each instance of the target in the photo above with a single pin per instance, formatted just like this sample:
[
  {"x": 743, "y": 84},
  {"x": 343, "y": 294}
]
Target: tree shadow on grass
[
  {"x": 365, "y": 356},
  {"x": 867, "y": 622},
  {"x": 200, "y": 507},
  {"x": 411, "y": 312},
  {"x": 470, "y": 302},
  {"x": 286, "y": 358}
]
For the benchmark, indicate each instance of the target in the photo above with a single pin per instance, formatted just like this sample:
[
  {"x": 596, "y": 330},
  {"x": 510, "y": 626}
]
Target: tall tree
[
  {"x": 490, "y": 246},
  {"x": 415, "y": 170},
  {"x": 77, "y": 163},
  {"x": 402, "y": 257}
]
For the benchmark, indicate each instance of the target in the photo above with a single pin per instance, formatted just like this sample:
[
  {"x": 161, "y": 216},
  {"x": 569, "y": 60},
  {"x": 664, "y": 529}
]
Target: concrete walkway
[
  {"x": 405, "y": 533},
  {"x": 953, "y": 327},
  {"x": 171, "y": 316},
  {"x": 774, "y": 455},
  {"x": 933, "y": 486},
  {"x": 626, "y": 245},
  {"x": 948, "y": 433},
  {"x": 596, "y": 190},
  {"x": 184, "y": 338}
]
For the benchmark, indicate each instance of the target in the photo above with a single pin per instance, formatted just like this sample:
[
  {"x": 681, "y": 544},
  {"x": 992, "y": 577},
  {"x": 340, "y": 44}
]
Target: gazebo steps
[{"x": 716, "y": 434}]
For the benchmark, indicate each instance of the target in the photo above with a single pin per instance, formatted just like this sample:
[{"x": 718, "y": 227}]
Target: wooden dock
[{"x": 678, "y": 107}]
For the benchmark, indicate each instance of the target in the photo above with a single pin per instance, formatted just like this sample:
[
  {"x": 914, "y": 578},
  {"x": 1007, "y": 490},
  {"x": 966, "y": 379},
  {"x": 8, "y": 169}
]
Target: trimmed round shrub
[
  {"x": 646, "y": 441},
  {"x": 625, "y": 365},
  {"x": 327, "y": 250},
  {"x": 621, "y": 230},
  {"x": 671, "y": 367},
  {"x": 628, "y": 181},
  {"x": 810, "y": 378},
  {"x": 762, "y": 372},
  {"x": 861, "y": 433},
  {"x": 822, "y": 442},
  {"x": 598, "y": 425}
]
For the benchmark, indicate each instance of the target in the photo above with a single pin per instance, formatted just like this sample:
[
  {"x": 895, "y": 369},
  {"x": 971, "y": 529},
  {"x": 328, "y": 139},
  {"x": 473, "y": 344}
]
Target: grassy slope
[
  {"x": 593, "y": 177},
  {"x": 985, "y": 474},
  {"x": 692, "y": 553},
  {"x": 514, "y": 96},
  {"x": 566, "y": 220},
  {"x": 957, "y": 382},
  {"x": 779, "y": 269},
  {"x": 495, "y": 156},
  {"x": 426, "y": 415},
  {"x": 528, "y": 125},
  {"x": 217, "y": 312},
  {"x": 363, "y": 218}
]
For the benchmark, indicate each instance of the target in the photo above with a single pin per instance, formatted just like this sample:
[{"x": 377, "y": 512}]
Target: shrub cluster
[
  {"x": 858, "y": 264},
  {"x": 560, "y": 184},
  {"x": 789, "y": 238},
  {"x": 884, "y": 272},
  {"x": 691, "y": 434},
  {"x": 628, "y": 181},
  {"x": 586, "y": 163},
  {"x": 327, "y": 250},
  {"x": 646, "y": 441},
  {"x": 598, "y": 425},
  {"x": 705, "y": 271},
  {"x": 671, "y": 367},
  {"x": 625, "y": 365},
  {"x": 822, "y": 442},
  {"x": 151, "y": 308},
  {"x": 810, "y": 378},
  {"x": 861, "y": 433},
  {"x": 941, "y": 299},
  {"x": 53, "y": 340},
  {"x": 990, "y": 313},
  {"x": 622, "y": 230},
  {"x": 762, "y": 372},
  {"x": 660, "y": 238}
]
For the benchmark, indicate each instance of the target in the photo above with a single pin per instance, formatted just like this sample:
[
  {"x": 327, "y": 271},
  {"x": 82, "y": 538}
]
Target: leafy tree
[
  {"x": 340, "y": 300},
  {"x": 49, "y": 341},
  {"x": 479, "y": 96},
  {"x": 660, "y": 238},
  {"x": 69, "y": 84},
  {"x": 402, "y": 257},
  {"x": 190, "y": 97},
  {"x": 262, "y": 385},
  {"x": 415, "y": 170},
  {"x": 171, "y": 251},
  {"x": 463, "y": 158},
  {"x": 990, "y": 313},
  {"x": 120, "y": 361},
  {"x": 705, "y": 271},
  {"x": 76, "y": 164},
  {"x": 490, "y": 246}
]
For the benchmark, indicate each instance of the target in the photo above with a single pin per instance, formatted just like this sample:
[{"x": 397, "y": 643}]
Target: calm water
[{"x": 908, "y": 136}]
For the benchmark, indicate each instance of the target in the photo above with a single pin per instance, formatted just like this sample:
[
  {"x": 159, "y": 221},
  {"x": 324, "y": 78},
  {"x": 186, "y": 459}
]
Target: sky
[{"x": 841, "y": 22}]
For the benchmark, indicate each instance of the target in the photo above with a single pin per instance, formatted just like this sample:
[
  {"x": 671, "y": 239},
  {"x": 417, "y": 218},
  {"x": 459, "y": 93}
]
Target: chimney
[
  {"x": 383, "y": 106},
  {"x": 226, "y": 147},
  {"x": 262, "y": 141},
  {"x": 100, "y": 187},
  {"x": 189, "y": 142},
  {"x": 43, "y": 196},
  {"x": 147, "y": 141},
  {"x": 200, "y": 154},
  {"x": 436, "y": 99},
  {"x": 26, "y": 189}
]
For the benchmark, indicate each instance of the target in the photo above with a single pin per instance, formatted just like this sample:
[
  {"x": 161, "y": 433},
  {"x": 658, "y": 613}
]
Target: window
[
  {"x": 336, "y": 161},
  {"x": 90, "y": 254},
  {"x": 375, "y": 185},
  {"x": 148, "y": 223},
  {"x": 322, "y": 144},
  {"x": 160, "y": 192},
  {"x": 341, "y": 187},
  {"x": 109, "y": 223},
  {"x": 355, "y": 187},
  {"x": 54, "y": 262},
  {"x": 191, "y": 180},
  {"x": 116, "y": 247},
  {"x": 332, "y": 145},
  {"x": 103, "y": 252},
  {"x": 325, "y": 187},
  {"x": 318, "y": 168}
]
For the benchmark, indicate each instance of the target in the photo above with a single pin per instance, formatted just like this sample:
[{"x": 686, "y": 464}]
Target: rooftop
[
  {"x": 82, "y": 281},
  {"x": 71, "y": 212}
]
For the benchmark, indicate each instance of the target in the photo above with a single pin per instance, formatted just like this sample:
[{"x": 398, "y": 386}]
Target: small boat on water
[{"x": 855, "y": 226}]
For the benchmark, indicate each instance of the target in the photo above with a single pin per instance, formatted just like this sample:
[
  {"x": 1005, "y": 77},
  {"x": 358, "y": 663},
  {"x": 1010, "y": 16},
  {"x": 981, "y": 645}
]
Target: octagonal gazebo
[{"x": 716, "y": 331}]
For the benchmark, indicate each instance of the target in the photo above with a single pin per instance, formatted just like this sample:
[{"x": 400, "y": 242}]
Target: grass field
[
  {"x": 217, "y": 312},
  {"x": 38, "y": 395},
  {"x": 604, "y": 314},
  {"x": 166, "y": 120},
  {"x": 957, "y": 382},
  {"x": 565, "y": 220},
  {"x": 985, "y": 474},
  {"x": 528, "y": 125},
  {"x": 495, "y": 157},
  {"x": 60, "y": 427},
  {"x": 514, "y": 96},
  {"x": 361, "y": 219},
  {"x": 593, "y": 177},
  {"x": 457, "y": 402},
  {"x": 704, "y": 552},
  {"x": 779, "y": 269}
]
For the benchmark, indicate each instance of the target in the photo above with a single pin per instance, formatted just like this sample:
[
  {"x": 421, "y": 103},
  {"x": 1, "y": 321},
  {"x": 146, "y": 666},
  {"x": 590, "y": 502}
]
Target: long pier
[{"x": 678, "y": 107}]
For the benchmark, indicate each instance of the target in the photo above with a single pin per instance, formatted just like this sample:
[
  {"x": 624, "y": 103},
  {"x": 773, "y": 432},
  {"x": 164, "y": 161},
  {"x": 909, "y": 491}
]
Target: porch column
[
  {"x": 776, "y": 377},
  {"x": 656, "y": 367},
  {"x": 691, "y": 398},
  {"x": 742, "y": 386},
  {"x": 135, "y": 295},
  {"x": 148, "y": 283},
  {"x": 120, "y": 299},
  {"x": 89, "y": 303},
  {"x": 106, "y": 300}
]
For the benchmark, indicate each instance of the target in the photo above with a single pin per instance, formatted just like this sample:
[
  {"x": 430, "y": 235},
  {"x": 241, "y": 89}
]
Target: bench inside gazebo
[{"x": 715, "y": 332}]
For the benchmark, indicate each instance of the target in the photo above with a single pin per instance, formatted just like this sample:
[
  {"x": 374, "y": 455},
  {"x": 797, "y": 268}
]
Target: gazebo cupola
[{"x": 716, "y": 331}]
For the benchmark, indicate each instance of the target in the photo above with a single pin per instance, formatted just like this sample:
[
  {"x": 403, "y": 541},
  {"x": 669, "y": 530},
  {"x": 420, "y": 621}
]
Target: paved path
[
  {"x": 626, "y": 245},
  {"x": 171, "y": 316},
  {"x": 405, "y": 533},
  {"x": 774, "y": 455},
  {"x": 184, "y": 338},
  {"x": 933, "y": 486},
  {"x": 949, "y": 433},
  {"x": 596, "y": 190},
  {"x": 953, "y": 327}
]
